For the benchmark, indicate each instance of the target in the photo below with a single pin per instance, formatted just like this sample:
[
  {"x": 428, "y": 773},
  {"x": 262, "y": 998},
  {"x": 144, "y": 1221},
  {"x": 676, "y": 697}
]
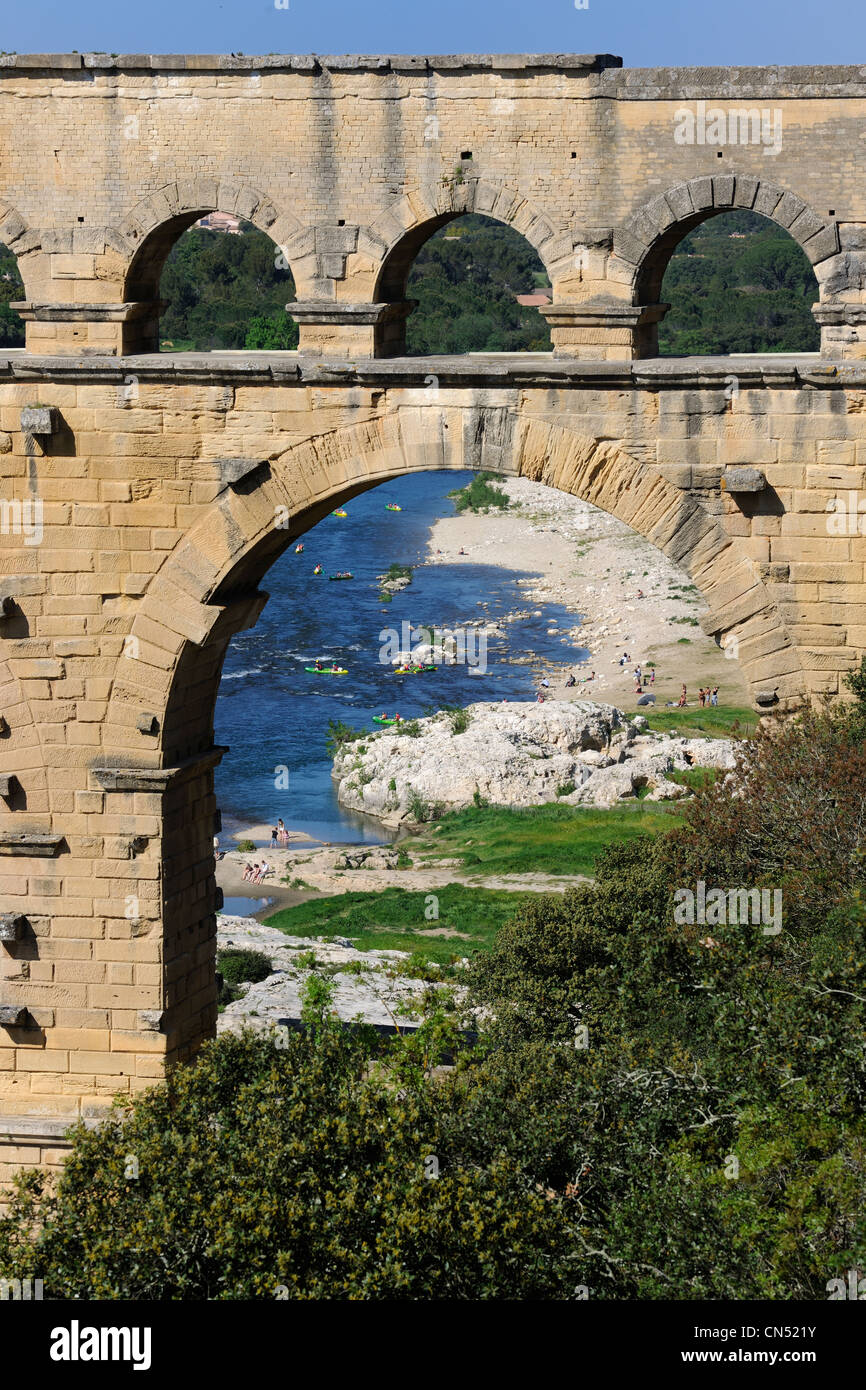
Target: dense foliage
[
  {"x": 651, "y": 1110},
  {"x": 11, "y": 288},
  {"x": 226, "y": 291},
  {"x": 739, "y": 283},
  {"x": 465, "y": 279},
  {"x": 480, "y": 495}
]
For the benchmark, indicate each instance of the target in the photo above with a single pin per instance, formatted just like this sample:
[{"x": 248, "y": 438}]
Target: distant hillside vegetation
[
  {"x": 738, "y": 283},
  {"x": 465, "y": 279}
]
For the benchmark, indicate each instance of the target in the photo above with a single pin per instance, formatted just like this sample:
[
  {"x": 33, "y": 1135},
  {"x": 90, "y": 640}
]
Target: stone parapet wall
[{"x": 349, "y": 164}]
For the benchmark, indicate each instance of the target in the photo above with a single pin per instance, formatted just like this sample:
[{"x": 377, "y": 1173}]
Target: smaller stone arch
[
  {"x": 386, "y": 249},
  {"x": 152, "y": 227},
  {"x": 146, "y": 235},
  {"x": 643, "y": 245},
  {"x": 390, "y": 244}
]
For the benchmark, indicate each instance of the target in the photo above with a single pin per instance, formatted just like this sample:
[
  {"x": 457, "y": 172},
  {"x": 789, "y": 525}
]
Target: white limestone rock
[{"x": 518, "y": 755}]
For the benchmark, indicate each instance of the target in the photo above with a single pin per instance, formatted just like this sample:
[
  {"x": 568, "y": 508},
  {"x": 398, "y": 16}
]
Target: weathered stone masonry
[{"x": 162, "y": 481}]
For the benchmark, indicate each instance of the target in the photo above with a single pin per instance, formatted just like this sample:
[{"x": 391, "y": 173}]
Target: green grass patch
[
  {"x": 714, "y": 721},
  {"x": 548, "y": 839},
  {"x": 395, "y": 919},
  {"x": 694, "y": 777},
  {"x": 481, "y": 494}
]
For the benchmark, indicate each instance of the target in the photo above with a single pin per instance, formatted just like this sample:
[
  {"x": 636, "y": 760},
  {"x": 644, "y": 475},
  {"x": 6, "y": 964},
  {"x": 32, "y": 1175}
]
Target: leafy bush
[
  {"x": 295, "y": 1171},
  {"x": 340, "y": 734},
  {"x": 480, "y": 495},
  {"x": 419, "y": 809},
  {"x": 240, "y": 966},
  {"x": 247, "y": 846},
  {"x": 653, "y": 1110},
  {"x": 395, "y": 571},
  {"x": 458, "y": 718}
]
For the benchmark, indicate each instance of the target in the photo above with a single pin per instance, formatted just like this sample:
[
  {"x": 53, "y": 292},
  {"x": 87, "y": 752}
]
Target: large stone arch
[
  {"x": 166, "y": 680},
  {"x": 208, "y": 588},
  {"x": 643, "y": 245}
]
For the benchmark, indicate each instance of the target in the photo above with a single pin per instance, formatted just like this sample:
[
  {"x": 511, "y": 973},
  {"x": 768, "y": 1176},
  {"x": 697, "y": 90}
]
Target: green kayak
[{"x": 327, "y": 670}]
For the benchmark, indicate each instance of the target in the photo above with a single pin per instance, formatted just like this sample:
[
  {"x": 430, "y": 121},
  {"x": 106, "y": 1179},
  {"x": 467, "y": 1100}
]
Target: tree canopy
[{"x": 650, "y": 1109}]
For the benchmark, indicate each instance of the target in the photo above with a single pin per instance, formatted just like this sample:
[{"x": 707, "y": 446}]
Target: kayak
[
  {"x": 327, "y": 670},
  {"x": 318, "y": 569},
  {"x": 377, "y": 719},
  {"x": 299, "y": 548},
  {"x": 339, "y": 512},
  {"x": 392, "y": 507},
  {"x": 341, "y": 576}
]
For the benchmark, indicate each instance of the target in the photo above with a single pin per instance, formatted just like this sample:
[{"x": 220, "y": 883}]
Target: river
[{"x": 274, "y": 715}]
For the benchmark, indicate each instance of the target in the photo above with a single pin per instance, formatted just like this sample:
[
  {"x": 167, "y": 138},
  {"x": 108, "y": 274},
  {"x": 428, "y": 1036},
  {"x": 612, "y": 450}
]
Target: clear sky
[{"x": 644, "y": 33}]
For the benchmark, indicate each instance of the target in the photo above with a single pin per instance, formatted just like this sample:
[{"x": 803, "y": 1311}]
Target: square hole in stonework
[{"x": 466, "y": 154}]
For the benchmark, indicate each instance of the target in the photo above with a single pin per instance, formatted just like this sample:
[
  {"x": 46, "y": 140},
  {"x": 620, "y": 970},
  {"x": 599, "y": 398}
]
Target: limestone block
[{"x": 743, "y": 480}]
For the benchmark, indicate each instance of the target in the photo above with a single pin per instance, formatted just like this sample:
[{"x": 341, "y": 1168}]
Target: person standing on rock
[{"x": 683, "y": 698}]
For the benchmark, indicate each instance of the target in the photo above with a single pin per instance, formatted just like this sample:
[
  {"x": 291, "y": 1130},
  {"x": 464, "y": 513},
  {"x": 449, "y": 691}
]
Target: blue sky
[{"x": 643, "y": 32}]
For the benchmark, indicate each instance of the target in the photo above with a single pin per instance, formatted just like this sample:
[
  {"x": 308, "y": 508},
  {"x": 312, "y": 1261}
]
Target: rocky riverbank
[
  {"x": 368, "y": 985},
  {"x": 575, "y": 752},
  {"x": 597, "y": 567}
]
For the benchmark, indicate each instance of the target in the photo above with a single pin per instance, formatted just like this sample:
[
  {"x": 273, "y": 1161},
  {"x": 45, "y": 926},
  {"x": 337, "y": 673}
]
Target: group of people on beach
[
  {"x": 255, "y": 873},
  {"x": 642, "y": 678},
  {"x": 279, "y": 835},
  {"x": 707, "y": 696}
]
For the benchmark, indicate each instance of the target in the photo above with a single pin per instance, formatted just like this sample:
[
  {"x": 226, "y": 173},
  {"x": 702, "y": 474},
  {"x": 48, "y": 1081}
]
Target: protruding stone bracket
[
  {"x": 8, "y": 785},
  {"x": 329, "y": 311},
  {"x": 150, "y": 1020},
  {"x": 12, "y": 926},
  {"x": 38, "y": 419},
  {"x": 13, "y": 1016},
  {"x": 31, "y": 843},
  {"x": 232, "y": 471},
  {"x": 743, "y": 479},
  {"x": 154, "y": 779},
  {"x": 7, "y": 606},
  {"x": 238, "y": 612},
  {"x": 843, "y": 329},
  {"x": 765, "y": 699},
  {"x": 147, "y": 724},
  {"x": 4, "y": 726}
]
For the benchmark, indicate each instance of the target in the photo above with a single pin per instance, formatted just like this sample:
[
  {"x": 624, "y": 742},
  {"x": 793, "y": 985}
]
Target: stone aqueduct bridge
[{"x": 168, "y": 485}]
